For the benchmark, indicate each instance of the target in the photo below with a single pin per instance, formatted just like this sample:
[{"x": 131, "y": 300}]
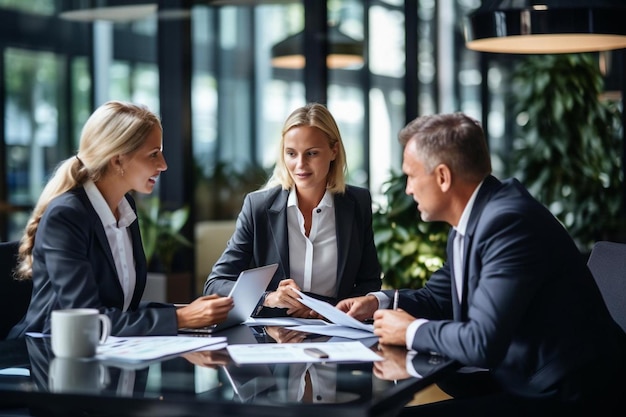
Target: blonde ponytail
[{"x": 68, "y": 174}]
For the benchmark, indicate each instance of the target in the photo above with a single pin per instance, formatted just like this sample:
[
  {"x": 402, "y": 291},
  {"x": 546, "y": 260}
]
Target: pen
[{"x": 395, "y": 300}]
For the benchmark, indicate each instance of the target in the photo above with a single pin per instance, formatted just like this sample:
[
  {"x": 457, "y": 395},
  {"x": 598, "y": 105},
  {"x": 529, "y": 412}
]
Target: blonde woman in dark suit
[
  {"x": 306, "y": 219},
  {"x": 82, "y": 246}
]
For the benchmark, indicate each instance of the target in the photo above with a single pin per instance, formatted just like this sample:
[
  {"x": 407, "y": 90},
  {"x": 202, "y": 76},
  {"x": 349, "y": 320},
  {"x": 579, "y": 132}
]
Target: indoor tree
[{"x": 567, "y": 150}]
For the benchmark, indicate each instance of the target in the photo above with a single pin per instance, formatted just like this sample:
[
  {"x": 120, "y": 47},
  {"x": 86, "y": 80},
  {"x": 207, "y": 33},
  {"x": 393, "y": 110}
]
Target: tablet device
[{"x": 246, "y": 293}]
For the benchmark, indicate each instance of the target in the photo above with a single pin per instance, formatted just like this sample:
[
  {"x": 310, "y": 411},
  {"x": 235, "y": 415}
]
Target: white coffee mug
[
  {"x": 77, "y": 332},
  {"x": 77, "y": 375}
]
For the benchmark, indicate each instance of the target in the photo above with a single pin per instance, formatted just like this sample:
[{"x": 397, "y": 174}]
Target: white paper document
[
  {"x": 332, "y": 313},
  {"x": 297, "y": 353},
  {"x": 330, "y": 329},
  {"x": 145, "y": 348},
  {"x": 315, "y": 326},
  {"x": 283, "y": 321}
]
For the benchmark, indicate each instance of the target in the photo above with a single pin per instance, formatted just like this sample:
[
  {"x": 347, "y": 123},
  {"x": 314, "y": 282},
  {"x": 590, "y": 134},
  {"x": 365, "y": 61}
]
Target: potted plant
[
  {"x": 162, "y": 239},
  {"x": 409, "y": 249},
  {"x": 161, "y": 232}
]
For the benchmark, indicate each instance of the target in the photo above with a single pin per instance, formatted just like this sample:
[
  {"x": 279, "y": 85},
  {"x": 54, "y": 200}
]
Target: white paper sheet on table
[
  {"x": 283, "y": 321},
  {"x": 145, "y": 348},
  {"x": 332, "y": 313},
  {"x": 294, "y": 353},
  {"x": 316, "y": 326},
  {"x": 334, "y": 330}
]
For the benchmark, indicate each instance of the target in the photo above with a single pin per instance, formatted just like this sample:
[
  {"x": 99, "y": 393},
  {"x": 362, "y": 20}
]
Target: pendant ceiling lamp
[
  {"x": 343, "y": 51},
  {"x": 547, "y": 27}
]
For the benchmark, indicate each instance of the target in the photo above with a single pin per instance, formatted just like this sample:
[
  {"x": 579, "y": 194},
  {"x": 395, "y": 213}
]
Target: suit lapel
[
  {"x": 140, "y": 261},
  {"x": 456, "y": 303},
  {"x": 277, "y": 220},
  {"x": 101, "y": 238},
  {"x": 490, "y": 184},
  {"x": 344, "y": 215},
  {"x": 99, "y": 228}
]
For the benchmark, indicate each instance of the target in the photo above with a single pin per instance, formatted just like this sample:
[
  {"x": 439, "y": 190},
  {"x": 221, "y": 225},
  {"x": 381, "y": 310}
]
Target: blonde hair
[
  {"x": 115, "y": 128},
  {"x": 314, "y": 115}
]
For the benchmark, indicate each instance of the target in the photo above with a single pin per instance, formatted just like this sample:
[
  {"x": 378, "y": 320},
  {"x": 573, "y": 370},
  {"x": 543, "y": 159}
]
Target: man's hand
[
  {"x": 390, "y": 326},
  {"x": 360, "y": 308}
]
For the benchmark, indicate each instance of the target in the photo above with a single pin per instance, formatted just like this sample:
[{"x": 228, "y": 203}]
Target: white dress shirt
[
  {"x": 313, "y": 259},
  {"x": 118, "y": 236},
  {"x": 461, "y": 228}
]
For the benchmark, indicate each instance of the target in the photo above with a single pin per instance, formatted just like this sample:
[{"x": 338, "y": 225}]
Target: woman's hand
[
  {"x": 286, "y": 297},
  {"x": 204, "y": 311}
]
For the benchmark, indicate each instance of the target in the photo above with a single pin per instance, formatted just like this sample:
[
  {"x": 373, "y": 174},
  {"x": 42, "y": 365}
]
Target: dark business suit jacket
[
  {"x": 73, "y": 267},
  {"x": 261, "y": 238},
  {"x": 530, "y": 312}
]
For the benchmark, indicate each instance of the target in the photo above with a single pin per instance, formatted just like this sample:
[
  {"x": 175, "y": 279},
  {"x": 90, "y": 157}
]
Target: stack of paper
[
  {"x": 339, "y": 324},
  {"x": 145, "y": 348},
  {"x": 296, "y": 353}
]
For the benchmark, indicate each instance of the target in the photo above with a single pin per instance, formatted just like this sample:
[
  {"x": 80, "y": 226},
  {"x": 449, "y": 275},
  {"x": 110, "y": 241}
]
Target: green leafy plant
[
  {"x": 409, "y": 249},
  {"x": 160, "y": 231},
  {"x": 568, "y": 149}
]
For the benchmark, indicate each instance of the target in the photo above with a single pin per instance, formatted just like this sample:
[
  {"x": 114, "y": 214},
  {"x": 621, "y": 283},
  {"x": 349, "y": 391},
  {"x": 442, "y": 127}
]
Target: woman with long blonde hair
[{"x": 82, "y": 246}]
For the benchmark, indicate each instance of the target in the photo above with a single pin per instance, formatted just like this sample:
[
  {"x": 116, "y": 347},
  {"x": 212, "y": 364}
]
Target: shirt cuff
[
  {"x": 383, "y": 300},
  {"x": 409, "y": 364},
  {"x": 411, "y": 330}
]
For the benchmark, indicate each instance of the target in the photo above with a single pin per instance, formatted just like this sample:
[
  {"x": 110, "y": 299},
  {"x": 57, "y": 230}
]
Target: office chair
[
  {"x": 607, "y": 263},
  {"x": 14, "y": 295}
]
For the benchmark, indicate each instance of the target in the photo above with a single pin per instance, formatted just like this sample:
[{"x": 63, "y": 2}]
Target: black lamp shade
[
  {"x": 508, "y": 26},
  {"x": 343, "y": 51}
]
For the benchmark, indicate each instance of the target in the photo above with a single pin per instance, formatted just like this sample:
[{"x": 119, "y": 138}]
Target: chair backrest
[
  {"x": 607, "y": 263},
  {"x": 14, "y": 295}
]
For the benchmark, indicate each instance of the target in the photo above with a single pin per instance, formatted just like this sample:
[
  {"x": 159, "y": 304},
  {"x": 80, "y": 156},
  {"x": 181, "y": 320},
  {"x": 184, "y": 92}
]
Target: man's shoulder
[{"x": 511, "y": 197}]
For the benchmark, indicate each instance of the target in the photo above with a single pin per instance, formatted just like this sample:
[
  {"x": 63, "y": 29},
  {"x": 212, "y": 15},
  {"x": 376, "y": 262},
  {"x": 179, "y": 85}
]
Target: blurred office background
[{"x": 210, "y": 69}]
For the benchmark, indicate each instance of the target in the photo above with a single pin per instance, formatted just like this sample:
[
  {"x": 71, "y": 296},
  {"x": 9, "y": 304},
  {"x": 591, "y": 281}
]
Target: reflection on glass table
[{"x": 208, "y": 382}]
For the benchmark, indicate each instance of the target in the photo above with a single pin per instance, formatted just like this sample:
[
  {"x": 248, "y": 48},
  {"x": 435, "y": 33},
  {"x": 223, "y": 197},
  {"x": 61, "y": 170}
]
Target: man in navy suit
[{"x": 515, "y": 296}]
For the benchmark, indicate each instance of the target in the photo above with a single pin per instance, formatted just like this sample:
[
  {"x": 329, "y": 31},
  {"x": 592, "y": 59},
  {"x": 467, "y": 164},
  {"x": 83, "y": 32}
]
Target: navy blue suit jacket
[
  {"x": 260, "y": 238},
  {"x": 530, "y": 312},
  {"x": 73, "y": 267}
]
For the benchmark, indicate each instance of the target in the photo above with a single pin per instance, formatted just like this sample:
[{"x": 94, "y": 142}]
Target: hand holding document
[{"x": 332, "y": 313}]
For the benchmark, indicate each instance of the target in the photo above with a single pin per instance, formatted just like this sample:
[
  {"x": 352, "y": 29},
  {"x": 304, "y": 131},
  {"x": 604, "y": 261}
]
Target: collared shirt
[
  {"x": 385, "y": 302},
  {"x": 321, "y": 385},
  {"x": 313, "y": 259},
  {"x": 118, "y": 236},
  {"x": 461, "y": 230}
]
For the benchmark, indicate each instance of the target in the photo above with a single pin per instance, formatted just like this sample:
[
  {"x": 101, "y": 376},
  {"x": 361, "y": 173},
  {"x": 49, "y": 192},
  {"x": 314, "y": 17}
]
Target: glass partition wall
[
  {"x": 210, "y": 69},
  {"x": 61, "y": 60}
]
